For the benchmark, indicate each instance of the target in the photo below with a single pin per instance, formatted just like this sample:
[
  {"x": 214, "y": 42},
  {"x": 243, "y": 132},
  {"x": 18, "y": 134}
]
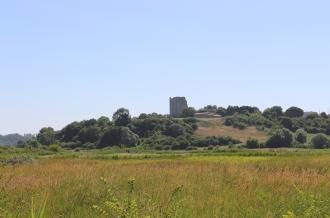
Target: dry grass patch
[{"x": 215, "y": 127}]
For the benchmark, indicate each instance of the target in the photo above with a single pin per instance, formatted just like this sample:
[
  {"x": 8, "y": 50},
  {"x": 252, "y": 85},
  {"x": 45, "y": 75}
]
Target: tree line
[
  {"x": 154, "y": 131},
  {"x": 150, "y": 131}
]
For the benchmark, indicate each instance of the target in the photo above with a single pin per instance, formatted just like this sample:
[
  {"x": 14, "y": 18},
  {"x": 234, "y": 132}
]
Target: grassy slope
[
  {"x": 213, "y": 186},
  {"x": 215, "y": 127}
]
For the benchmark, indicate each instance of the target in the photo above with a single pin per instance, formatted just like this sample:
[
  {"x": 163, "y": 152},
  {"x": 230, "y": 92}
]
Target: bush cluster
[
  {"x": 287, "y": 128},
  {"x": 152, "y": 131},
  {"x": 274, "y": 117}
]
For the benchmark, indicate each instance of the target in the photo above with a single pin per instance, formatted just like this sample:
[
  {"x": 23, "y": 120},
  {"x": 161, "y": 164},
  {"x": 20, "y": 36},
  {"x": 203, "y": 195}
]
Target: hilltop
[{"x": 13, "y": 139}]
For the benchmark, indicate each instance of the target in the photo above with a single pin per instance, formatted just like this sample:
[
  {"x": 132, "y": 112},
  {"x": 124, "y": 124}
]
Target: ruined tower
[{"x": 177, "y": 106}]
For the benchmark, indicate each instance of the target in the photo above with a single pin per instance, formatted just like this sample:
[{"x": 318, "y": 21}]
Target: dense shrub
[
  {"x": 174, "y": 130},
  {"x": 89, "y": 134},
  {"x": 89, "y": 145},
  {"x": 312, "y": 116},
  {"x": 70, "y": 145},
  {"x": 280, "y": 138},
  {"x": 294, "y": 112},
  {"x": 118, "y": 136},
  {"x": 146, "y": 127},
  {"x": 320, "y": 141},
  {"x": 287, "y": 123},
  {"x": 248, "y": 110},
  {"x": 324, "y": 115},
  {"x": 300, "y": 136},
  {"x": 32, "y": 143},
  {"x": 252, "y": 143},
  {"x": 189, "y": 112},
  {"x": 70, "y": 132},
  {"x": 192, "y": 122},
  {"x": 258, "y": 120},
  {"x": 46, "y": 136},
  {"x": 237, "y": 121},
  {"x": 221, "y": 111},
  {"x": 209, "y": 108},
  {"x": 327, "y": 130},
  {"x": 181, "y": 143},
  {"x": 55, "y": 148},
  {"x": 121, "y": 117},
  {"x": 215, "y": 141},
  {"x": 273, "y": 113},
  {"x": 241, "y": 121}
]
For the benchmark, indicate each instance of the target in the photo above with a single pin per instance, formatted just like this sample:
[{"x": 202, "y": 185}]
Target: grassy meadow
[{"x": 224, "y": 184}]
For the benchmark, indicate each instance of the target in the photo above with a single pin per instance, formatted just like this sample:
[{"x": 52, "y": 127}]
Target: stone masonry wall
[{"x": 178, "y": 105}]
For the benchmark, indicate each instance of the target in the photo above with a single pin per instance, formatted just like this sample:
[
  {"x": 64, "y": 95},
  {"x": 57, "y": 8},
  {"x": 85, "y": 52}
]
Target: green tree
[
  {"x": 324, "y": 115},
  {"x": 90, "y": 134},
  {"x": 118, "y": 136},
  {"x": 273, "y": 113},
  {"x": 70, "y": 132},
  {"x": 280, "y": 138},
  {"x": 294, "y": 112},
  {"x": 189, "y": 112},
  {"x": 221, "y": 111},
  {"x": 248, "y": 110},
  {"x": 175, "y": 130},
  {"x": 320, "y": 141},
  {"x": 301, "y": 136},
  {"x": 209, "y": 108},
  {"x": 46, "y": 136},
  {"x": 121, "y": 117},
  {"x": 252, "y": 143},
  {"x": 327, "y": 129},
  {"x": 231, "y": 110},
  {"x": 103, "y": 122},
  {"x": 287, "y": 123}
]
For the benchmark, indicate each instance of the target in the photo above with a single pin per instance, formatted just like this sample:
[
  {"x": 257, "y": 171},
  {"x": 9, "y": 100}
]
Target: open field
[
  {"x": 215, "y": 127},
  {"x": 229, "y": 184}
]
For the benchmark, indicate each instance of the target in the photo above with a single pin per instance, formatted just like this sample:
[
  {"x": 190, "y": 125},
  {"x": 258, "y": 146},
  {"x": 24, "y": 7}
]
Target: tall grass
[
  {"x": 38, "y": 213},
  {"x": 129, "y": 207},
  {"x": 213, "y": 186}
]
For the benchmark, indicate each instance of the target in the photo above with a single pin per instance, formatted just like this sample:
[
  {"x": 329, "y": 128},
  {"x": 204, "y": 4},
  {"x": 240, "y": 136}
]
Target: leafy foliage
[
  {"x": 157, "y": 131},
  {"x": 280, "y": 138},
  {"x": 294, "y": 112},
  {"x": 148, "y": 130},
  {"x": 273, "y": 113},
  {"x": 121, "y": 136},
  {"x": 121, "y": 117},
  {"x": 189, "y": 112},
  {"x": 46, "y": 136},
  {"x": 253, "y": 143},
  {"x": 301, "y": 136},
  {"x": 320, "y": 141},
  {"x": 55, "y": 148}
]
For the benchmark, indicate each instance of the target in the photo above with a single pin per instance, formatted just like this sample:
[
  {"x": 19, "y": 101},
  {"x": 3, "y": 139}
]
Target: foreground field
[{"x": 171, "y": 186}]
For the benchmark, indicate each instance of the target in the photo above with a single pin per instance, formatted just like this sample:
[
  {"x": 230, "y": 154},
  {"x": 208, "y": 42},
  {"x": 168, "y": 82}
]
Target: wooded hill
[
  {"x": 13, "y": 139},
  {"x": 276, "y": 128}
]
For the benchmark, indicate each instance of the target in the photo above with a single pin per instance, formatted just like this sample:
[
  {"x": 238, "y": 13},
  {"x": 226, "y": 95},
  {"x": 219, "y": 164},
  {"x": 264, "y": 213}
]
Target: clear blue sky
[{"x": 62, "y": 60}]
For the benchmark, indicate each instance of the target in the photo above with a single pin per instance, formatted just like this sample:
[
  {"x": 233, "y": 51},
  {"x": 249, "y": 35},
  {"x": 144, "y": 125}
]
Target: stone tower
[{"x": 177, "y": 106}]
